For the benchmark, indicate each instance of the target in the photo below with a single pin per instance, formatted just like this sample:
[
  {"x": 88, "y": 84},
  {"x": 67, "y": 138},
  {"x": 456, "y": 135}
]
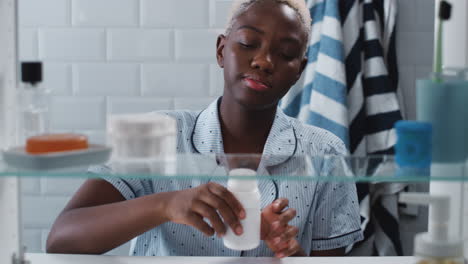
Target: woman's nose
[{"x": 263, "y": 62}]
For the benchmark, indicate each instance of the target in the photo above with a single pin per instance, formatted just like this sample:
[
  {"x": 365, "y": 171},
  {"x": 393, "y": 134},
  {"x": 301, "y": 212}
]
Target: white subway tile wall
[
  {"x": 415, "y": 42},
  {"x": 40, "y": 211},
  {"x": 218, "y": 13},
  {"x": 175, "y": 14},
  {"x": 33, "y": 235},
  {"x": 72, "y": 44},
  {"x": 58, "y": 78},
  {"x": 196, "y": 45},
  {"x": 31, "y": 186},
  {"x": 75, "y": 113},
  {"x": 126, "y": 105},
  {"x": 28, "y": 40},
  {"x": 140, "y": 44},
  {"x": 44, "y": 234},
  {"x": 424, "y": 11},
  {"x": 106, "y": 79},
  {"x": 59, "y": 186},
  {"x": 129, "y": 56},
  {"x": 44, "y": 13},
  {"x": 175, "y": 80},
  {"x": 105, "y": 13},
  {"x": 407, "y": 79}
]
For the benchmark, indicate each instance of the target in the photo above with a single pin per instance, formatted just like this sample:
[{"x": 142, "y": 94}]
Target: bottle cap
[
  {"x": 435, "y": 243},
  {"x": 414, "y": 144},
  {"x": 31, "y": 72}
]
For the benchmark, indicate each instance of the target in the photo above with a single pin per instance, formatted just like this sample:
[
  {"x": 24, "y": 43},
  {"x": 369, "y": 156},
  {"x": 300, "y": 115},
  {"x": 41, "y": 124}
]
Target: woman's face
[{"x": 262, "y": 56}]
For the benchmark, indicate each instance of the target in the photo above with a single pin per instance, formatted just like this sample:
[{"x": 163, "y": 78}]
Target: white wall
[
  {"x": 114, "y": 56},
  {"x": 10, "y": 228},
  {"x": 8, "y": 80},
  {"x": 415, "y": 48}
]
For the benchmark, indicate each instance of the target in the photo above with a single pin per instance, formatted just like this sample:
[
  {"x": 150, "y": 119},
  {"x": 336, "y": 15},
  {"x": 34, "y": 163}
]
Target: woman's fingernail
[
  {"x": 242, "y": 214},
  {"x": 239, "y": 230},
  {"x": 280, "y": 255}
]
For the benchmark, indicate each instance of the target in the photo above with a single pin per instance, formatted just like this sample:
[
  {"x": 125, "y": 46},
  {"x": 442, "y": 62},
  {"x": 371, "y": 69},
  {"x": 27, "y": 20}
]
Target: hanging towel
[
  {"x": 322, "y": 100},
  {"x": 349, "y": 88},
  {"x": 372, "y": 78},
  {"x": 371, "y": 73}
]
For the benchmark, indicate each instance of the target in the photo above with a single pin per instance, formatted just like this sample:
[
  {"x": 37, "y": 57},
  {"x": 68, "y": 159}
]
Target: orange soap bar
[{"x": 55, "y": 143}]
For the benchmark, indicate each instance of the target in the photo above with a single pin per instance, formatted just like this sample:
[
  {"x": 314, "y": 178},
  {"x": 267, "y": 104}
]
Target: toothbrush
[{"x": 445, "y": 10}]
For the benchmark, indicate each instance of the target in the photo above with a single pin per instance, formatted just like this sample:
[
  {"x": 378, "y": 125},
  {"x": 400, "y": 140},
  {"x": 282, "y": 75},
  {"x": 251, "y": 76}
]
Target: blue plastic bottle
[{"x": 413, "y": 150}]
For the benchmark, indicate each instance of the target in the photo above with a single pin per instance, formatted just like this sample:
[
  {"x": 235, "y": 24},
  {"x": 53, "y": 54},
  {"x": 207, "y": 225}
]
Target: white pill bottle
[{"x": 247, "y": 193}]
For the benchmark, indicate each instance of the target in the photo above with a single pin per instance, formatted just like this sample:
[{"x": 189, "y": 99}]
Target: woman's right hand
[{"x": 211, "y": 201}]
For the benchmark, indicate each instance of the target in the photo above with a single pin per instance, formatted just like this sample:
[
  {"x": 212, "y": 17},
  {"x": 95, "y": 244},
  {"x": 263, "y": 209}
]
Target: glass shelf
[
  {"x": 374, "y": 169},
  {"x": 300, "y": 179}
]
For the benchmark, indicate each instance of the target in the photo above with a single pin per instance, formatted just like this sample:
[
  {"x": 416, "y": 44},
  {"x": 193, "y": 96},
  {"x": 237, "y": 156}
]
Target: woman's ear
[
  {"x": 220, "y": 43},
  {"x": 301, "y": 70}
]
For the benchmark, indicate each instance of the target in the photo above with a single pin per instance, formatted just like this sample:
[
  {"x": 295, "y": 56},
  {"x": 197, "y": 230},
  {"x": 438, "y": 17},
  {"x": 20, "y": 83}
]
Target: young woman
[{"x": 263, "y": 55}]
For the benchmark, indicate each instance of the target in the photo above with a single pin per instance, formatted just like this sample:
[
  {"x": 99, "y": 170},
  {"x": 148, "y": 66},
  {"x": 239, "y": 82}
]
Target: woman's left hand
[{"x": 279, "y": 236}]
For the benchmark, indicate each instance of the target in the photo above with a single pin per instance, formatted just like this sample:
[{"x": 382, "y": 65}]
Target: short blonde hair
[{"x": 240, "y": 6}]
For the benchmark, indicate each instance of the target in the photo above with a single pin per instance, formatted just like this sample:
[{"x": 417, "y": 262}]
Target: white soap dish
[{"x": 18, "y": 158}]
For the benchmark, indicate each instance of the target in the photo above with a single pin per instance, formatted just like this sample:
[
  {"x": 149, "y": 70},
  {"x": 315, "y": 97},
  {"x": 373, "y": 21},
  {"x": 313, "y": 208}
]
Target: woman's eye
[
  {"x": 245, "y": 45},
  {"x": 287, "y": 56}
]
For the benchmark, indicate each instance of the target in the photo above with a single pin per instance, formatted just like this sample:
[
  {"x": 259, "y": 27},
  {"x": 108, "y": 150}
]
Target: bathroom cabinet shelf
[{"x": 373, "y": 169}]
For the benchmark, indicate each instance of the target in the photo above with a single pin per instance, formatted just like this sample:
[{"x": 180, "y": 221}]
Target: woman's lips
[{"x": 255, "y": 85}]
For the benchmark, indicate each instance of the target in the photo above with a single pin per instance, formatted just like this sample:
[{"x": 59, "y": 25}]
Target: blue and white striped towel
[
  {"x": 351, "y": 81},
  {"x": 322, "y": 100}
]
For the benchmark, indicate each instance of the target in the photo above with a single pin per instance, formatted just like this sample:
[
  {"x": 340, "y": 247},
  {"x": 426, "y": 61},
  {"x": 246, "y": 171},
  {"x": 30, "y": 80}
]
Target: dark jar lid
[{"x": 31, "y": 72}]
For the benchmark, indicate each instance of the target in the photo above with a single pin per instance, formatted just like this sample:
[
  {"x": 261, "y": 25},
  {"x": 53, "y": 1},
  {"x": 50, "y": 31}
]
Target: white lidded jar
[
  {"x": 247, "y": 193},
  {"x": 143, "y": 143}
]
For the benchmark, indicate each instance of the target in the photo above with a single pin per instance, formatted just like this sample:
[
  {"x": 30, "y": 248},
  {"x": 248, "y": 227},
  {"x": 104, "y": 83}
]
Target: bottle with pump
[
  {"x": 246, "y": 191},
  {"x": 33, "y": 102},
  {"x": 435, "y": 246}
]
